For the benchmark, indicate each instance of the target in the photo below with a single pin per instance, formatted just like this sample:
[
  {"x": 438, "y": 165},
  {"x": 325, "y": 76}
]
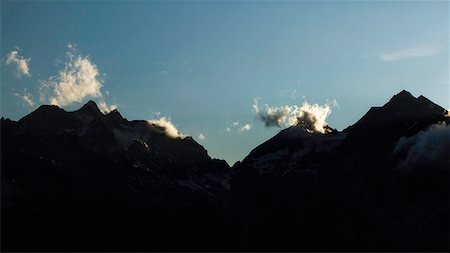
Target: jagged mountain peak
[
  {"x": 46, "y": 117},
  {"x": 115, "y": 111},
  {"x": 406, "y": 102},
  {"x": 91, "y": 109},
  {"x": 47, "y": 109},
  {"x": 402, "y": 100},
  {"x": 114, "y": 117},
  {"x": 403, "y": 95},
  {"x": 402, "y": 106}
]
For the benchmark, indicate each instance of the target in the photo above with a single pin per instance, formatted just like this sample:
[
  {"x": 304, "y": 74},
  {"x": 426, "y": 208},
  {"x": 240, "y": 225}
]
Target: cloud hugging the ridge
[
  {"x": 428, "y": 148},
  {"x": 19, "y": 62},
  {"x": 79, "y": 79},
  {"x": 311, "y": 116},
  {"x": 168, "y": 127}
]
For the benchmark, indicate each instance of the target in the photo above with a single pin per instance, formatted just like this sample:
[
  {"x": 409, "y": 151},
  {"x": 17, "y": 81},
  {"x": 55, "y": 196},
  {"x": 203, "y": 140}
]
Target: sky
[{"x": 209, "y": 68}]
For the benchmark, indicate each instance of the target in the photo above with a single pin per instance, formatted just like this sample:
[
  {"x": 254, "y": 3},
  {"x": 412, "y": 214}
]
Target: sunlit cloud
[
  {"x": 78, "y": 80},
  {"x": 19, "y": 63},
  {"x": 408, "y": 53},
  {"x": 26, "y": 97},
  {"x": 167, "y": 126},
  {"x": 311, "y": 116},
  {"x": 245, "y": 127}
]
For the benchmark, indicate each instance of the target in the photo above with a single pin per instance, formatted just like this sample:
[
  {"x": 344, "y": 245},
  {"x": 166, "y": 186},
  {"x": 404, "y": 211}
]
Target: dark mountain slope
[
  {"x": 345, "y": 191},
  {"x": 87, "y": 181},
  {"x": 83, "y": 180}
]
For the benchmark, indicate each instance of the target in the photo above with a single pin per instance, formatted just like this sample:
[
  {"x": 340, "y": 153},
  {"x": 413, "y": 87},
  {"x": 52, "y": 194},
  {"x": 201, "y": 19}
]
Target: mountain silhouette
[
  {"x": 88, "y": 181},
  {"x": 84, "y": 180},
  {"x": 344, "y": 191}
]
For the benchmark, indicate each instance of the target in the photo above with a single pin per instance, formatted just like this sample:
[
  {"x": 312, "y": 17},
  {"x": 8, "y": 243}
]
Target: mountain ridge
[{"x": 83, "y": 174}]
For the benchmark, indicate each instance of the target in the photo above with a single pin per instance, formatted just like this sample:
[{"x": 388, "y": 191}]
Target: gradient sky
[{"x": 203, "y": 63}]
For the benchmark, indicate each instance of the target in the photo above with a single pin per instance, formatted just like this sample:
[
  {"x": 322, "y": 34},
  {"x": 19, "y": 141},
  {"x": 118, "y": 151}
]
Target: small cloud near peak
[
  {"x": 169, "y": 129},
  {"x": 245, "y": 127},
  {"x": 237, "y": 126},
  {"x": 201, "y": 137}
]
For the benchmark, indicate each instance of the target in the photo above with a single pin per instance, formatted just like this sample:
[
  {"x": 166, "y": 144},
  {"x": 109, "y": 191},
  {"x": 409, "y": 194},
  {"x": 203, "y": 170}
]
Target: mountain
[
  {"x": 349, "y": 190},
  {"x": 88, "y": 181},
  {"x": 84, "y": 180}
]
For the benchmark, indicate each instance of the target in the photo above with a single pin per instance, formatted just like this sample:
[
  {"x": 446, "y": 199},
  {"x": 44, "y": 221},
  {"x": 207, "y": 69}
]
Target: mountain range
[{"x": 88, "y": 181}]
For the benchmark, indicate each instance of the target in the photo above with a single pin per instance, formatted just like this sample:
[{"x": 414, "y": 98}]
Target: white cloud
[
  {"x": 311, "y": 116},
  {"x": 236, "y": 126},
  {"x": 201, "y": 137},
  {"x": 106, "y": 108},
  {"x": 408, "y": 53},
  {"x": 19, "y": 62},
  {"x": 428, "y": 148},
  {"x": 169, "y": 129},
  {"x": 26, "y": 97},
  {"x": 79, "y": 79},
  {"x": 245, "y": 127}
]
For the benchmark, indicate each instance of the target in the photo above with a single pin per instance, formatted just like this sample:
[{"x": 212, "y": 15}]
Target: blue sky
[{"x": 203, "y": 63}]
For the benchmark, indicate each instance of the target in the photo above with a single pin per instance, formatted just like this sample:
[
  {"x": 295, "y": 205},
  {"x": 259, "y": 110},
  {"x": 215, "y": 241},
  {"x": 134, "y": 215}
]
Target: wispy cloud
[
  {"x": 291, "y": 93},
  {"x": 186, "y": 67},
  {"x": 79, "y": 79},
  {"x": 168, "y": 67},
  {"x": 238, "y": 127},
  {"x": 19, "y": 62},
  {"x": 409, "y": 53},
  {"x": 26, "y": 97}
]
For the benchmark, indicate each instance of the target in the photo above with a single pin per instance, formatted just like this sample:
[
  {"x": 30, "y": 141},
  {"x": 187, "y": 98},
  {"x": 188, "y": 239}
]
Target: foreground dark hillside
[
  {"x": 359, "y": 189},
  {"x": 86, "y": 181}
]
